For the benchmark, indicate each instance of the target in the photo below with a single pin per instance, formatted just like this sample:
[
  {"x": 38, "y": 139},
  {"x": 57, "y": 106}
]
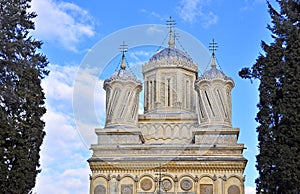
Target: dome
[
  {"x": 122, "y": 74},
  {"x": 213, "y": 73},
  {"x": 171, "y": 52}
]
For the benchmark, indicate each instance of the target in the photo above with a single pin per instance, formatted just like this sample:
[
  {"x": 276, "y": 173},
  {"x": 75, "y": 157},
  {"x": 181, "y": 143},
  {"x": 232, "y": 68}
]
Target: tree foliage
[
  {"x": 278, "y": 70},
  {"x": 21, "y": 98}
]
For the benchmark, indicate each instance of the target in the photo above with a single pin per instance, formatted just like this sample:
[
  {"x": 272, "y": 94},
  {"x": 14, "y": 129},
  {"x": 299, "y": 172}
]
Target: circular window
[
  {"x": 166, "y": 184},
  {"x": 146, "y": 184},
  {"x": 186, "y": 184}
]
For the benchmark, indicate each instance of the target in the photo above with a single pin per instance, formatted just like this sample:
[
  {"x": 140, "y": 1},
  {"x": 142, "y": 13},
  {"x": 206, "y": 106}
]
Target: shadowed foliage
[
  {"x": 21, "y": 98},
  {"x": 278, "y": 70}
]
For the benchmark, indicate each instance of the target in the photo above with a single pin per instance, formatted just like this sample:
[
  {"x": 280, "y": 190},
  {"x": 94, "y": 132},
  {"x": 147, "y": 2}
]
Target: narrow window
[
  {"x": 154, "y": 91},
  {"x": 187, "y": 98},
  {"x": 201, "y": 106},
  {"x": 224, "y": 110},
  {"x": 150, "y": 95},
  {"x": 212, "y": 111},
  {"x": 169, "y": 92}
]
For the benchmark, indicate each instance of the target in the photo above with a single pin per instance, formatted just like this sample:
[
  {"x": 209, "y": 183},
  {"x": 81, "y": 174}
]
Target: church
[{"x": 183, "y": 143}]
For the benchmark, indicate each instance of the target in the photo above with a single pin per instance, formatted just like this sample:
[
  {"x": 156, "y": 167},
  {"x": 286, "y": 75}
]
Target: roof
[{"x": 170, "y": 52}]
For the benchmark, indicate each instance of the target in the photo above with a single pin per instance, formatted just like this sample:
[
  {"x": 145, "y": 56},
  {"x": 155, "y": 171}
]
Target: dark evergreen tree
[
  {"x": 278, "y": 70},
  {"x": 21, "y": 98}
]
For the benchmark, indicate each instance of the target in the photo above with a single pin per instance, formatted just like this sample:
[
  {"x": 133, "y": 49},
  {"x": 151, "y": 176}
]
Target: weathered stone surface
[{"x": 184, "y": 141}]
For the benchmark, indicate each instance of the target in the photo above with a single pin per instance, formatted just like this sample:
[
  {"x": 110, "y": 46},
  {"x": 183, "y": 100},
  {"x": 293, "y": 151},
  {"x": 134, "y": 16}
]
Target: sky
[{"x": 81, "y": 39}]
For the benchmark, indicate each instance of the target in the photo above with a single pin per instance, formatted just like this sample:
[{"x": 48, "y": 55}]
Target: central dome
[{"x": 170, "y": 52}]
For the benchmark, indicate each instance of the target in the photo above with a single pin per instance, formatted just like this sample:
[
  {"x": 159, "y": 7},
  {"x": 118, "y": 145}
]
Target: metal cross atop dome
[
  {"x": 213, "y": 46},
  {"x": 123, "y": 48},
  {"x": 171, "y": 25}
]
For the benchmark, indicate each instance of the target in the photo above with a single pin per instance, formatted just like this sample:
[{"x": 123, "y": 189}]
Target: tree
[
  {"x": 278, "y": 161},
  {"x": 21, "y": 98}
]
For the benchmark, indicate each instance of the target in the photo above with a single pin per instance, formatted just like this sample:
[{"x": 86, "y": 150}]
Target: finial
[
  {"x": 171, "y": 24},
  {"x": 213, "y": 46},
  {"x": 123, "y": 48}
]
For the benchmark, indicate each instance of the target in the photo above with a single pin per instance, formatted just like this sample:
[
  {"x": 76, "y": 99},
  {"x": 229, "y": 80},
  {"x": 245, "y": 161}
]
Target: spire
[
  {"x": 123, "y": 49},
  {"x": 123, "y": 65},
  {"x": 171, "y": 24},
  {"x": 213, "y": 46}
]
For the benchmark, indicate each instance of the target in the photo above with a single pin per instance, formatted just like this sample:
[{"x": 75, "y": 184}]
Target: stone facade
[{"x": 183, "y": 143}]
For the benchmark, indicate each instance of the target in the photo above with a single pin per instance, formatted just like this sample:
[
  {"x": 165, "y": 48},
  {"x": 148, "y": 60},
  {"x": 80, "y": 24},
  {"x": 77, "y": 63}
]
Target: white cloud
[
  {"x": 63, "y": 153},
  {"x": 59, "y": 84},
  {"x": 75, "y": 181},
  {"x": 88, "y": 103},
  {"x": 250, "y": 190},
  {"x": 152, "y": 14},
  {"x": 62, "y": 23},
  {"x": 191, "y": 11},
  {"x": 63, "y": 157}
]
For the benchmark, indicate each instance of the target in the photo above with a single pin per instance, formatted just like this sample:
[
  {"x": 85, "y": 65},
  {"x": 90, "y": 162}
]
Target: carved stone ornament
[
  {"x": 166, "y": 184},
  {"x": 127, "y": 189},
  {"x": 146, "y": 184},
  {"x": 206, "y": 189},
  {"x": 233, "y": 189},
  {"x": 100, "y": 189},
  {"x": 186, "y": 184}
]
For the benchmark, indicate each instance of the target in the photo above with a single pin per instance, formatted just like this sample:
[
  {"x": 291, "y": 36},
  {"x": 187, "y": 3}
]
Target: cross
[
  {"x": 123, "y": 47},
  {"x": 170, "y": 23},
  {"x": 160, "y": 175},
  {"x": 213, "y": 46}
]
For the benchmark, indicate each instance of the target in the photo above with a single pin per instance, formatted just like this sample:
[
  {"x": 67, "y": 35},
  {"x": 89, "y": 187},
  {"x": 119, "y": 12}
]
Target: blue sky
[{"x": 71, "y": 31}]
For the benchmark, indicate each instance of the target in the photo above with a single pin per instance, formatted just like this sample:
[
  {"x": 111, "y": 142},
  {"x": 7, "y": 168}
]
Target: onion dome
[
  {"x": 171, "y": 52},
  {"x": 170, "y": 57},
  {"x": 213, "y": 72},
  {"x": 123, "y": 73}
]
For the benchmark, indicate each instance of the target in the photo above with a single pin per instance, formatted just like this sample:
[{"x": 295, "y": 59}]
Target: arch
[
  {"x": 241, "y": 179},
  {"x": 234, "y": 184},
  {"x": 158, "y": 129},
  {"x": 184, "y": 132},
  {"x": 186, "y": 175},
  {"x": 126, "y": 184},
  {"x": 127, "y": 176},
  {"x": 175, "y": 132},
  {"x": 206, "y": 175},
  {"x": 169, "y": 176},
  {"x": 100, "y": 176},
  {"x": 167, "y": 132},
  {"x": 147, "y": 175}
]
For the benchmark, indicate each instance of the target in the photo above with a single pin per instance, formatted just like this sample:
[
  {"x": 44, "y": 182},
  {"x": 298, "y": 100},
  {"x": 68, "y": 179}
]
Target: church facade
[{"x": 184, "y": 141}]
